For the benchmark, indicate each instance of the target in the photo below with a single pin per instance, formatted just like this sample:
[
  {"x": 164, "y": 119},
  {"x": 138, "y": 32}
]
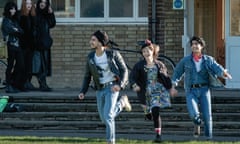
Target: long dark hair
[
  {"x": 7, "y": 8},
  {"x": 42, "y": 11}
]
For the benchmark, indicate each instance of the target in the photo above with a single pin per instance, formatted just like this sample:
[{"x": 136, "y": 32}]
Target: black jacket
[
  {"x": 28, "y": 24},
  {"x": 116, "y": 64},
  {"x": 138, "y": 76},
  {"x": 11, "y": 32}
]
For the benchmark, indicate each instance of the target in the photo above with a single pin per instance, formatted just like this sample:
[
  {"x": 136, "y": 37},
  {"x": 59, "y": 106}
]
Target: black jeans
[{"x": 15, "y": 69}]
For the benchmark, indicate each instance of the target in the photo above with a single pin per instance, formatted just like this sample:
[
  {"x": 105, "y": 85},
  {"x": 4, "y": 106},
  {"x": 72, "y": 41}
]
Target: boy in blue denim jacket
[{"x": 197, "y": 69}]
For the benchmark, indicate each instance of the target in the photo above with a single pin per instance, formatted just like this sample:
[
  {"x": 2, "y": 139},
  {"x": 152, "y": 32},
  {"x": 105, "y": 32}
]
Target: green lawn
[{"x": 70, "y": 140}]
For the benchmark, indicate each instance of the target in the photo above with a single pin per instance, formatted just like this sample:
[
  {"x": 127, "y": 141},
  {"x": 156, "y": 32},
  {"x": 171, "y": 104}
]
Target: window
[
  {"x": 64, "y": 8},
  {"x": 234, "y": 18},
  {"x": 92, "y": 8},
  {"x": 101, "y": 11},
  {"x": 96, "y": 11},
  {"x": 121, "y": 8},
  {"x": 143, "y": 8}
]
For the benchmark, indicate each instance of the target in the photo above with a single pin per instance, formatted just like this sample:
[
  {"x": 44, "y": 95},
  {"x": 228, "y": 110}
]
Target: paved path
[{"x": 75, "y": 133}]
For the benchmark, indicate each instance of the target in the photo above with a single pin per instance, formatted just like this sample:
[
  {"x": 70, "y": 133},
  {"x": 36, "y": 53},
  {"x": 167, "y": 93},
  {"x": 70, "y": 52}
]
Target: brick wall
[
  {"x": 71, "y": 43},
  {"x": 169, "y": 29},
  {"x": 71, "y": 46}
]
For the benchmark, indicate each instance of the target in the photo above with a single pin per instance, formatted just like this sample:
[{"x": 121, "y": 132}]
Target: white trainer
[
  {"x": 196, "y": 132},
  {"x": 126, "y": 103}
]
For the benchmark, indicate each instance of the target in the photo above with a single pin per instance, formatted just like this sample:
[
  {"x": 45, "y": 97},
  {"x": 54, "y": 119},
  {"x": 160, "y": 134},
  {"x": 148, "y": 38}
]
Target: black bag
[
  {"x": 165, "y": 80},
  {"x": 11, "y": 107}
]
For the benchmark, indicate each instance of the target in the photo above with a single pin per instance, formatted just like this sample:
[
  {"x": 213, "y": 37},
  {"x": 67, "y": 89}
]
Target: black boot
[
  {"x": 43, "y": 85},
  {"x": 45, "y": 88},
  {"x": 29, "y": 86},
  {"x": 11, "y": 89},
  {"x": 158, "y": 139}
]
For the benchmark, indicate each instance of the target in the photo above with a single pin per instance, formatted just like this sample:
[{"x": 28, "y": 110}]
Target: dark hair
[
  {"x": 200, "y": 40},
  {"x": 101, "y": 36},
  {"x": 7, "y": 8},
  {"x": 42, "y": 11}
]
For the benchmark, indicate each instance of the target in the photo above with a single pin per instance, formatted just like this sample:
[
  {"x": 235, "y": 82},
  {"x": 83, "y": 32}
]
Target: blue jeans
[
  {"x": 200, "y": 98},
  {"x": 108, "y": 109}
]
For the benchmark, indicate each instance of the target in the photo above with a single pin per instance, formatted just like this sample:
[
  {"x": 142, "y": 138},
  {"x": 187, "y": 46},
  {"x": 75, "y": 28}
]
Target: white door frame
[
  {"x": 232, "y": 46},
  {"x": 188, "y": 25}
]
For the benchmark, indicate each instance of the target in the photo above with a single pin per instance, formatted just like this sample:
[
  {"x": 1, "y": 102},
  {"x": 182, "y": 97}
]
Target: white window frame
[{"x": 105, "y": 20}]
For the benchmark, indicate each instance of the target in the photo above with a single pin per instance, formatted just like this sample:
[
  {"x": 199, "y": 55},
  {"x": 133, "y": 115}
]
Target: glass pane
[
  {"x": 143, "y": 8},
  {"x": 121, "y": 8},
  {"x": 235, "y": 19},
  {"x": 2, "y": 4},
  {"x": 63, "y": 8},
  {"x": 92, "y": 8}
]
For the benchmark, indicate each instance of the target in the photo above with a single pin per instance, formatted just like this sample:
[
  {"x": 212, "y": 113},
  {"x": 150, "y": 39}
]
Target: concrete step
[
  {"x": 80, "y": 116},
  {"x": 62, "y": 110},
  {"x": 124, "y": 126},
  {"x": 89, "y": 107}
]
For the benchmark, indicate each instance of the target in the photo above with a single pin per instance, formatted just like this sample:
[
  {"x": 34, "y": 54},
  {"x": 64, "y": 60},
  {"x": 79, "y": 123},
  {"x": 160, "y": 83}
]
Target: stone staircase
[{"x": 61, "y": 110}]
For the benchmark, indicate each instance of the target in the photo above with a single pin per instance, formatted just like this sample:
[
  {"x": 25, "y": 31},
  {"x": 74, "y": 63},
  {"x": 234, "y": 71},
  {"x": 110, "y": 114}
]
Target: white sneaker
[
  {"x": 197, "y": 130},
  {"x": 126, "y": 103}
]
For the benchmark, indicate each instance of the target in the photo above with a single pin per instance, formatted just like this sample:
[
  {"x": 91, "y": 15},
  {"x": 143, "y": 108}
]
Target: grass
[{"x": 74, "y": 140}]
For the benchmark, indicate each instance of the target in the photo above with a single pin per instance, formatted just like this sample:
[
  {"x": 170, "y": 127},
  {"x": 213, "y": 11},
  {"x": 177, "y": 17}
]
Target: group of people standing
[
  {"x": 27, "y": 35},
  {"x": 108, "y": 71}
]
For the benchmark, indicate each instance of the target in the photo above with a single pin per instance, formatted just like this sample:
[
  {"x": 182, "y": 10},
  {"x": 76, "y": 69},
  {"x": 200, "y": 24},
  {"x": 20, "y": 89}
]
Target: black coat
[
  {"x": 28, "y": 24},
  {"x": 44, "y": 22}
]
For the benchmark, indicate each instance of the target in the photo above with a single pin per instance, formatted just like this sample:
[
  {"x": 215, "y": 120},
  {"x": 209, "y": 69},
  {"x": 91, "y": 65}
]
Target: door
[
  {"x": 232, "y": 35},
  {"x": 205, "y": 17}
]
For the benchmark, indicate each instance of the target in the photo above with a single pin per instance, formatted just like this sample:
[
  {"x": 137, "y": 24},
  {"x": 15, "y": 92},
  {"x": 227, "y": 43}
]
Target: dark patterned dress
[{"x": 156, "y": 94}]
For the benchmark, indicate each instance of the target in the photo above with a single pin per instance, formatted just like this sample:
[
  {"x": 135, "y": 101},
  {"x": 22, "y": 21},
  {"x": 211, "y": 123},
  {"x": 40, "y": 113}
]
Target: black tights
[{"x": 156, "y": 117}]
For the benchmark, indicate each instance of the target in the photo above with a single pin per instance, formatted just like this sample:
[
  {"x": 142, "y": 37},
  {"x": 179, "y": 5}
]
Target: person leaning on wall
[
  {"x": 28, "y": 24},
  {"x": 11, "y": 32},
  {"x": 45, "y": 20}
]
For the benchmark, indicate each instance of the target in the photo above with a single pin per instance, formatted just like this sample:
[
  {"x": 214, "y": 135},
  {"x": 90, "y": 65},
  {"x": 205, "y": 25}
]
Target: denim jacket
[
  {"x": 116, "y": 64},
  {"x": 186, "y": 67}
]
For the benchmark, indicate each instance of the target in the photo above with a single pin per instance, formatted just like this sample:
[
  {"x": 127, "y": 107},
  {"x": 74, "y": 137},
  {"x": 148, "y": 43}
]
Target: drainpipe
[{"x": 153, "y": 23}]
